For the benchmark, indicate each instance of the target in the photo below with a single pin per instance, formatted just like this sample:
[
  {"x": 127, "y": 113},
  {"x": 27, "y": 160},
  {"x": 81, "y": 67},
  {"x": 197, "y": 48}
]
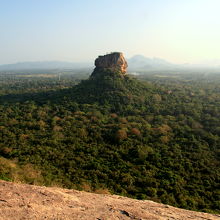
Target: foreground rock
[
  {"x": 114, "y": 62},
  {"x": 20, "y": 202}
]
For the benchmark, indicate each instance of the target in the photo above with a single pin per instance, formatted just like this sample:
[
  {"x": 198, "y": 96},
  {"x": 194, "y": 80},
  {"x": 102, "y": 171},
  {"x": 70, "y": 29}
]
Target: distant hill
[
  {"x": 46, "y": 65},
  {"x": 135, "y": 63},
  {"x": 140, "y": 62}
]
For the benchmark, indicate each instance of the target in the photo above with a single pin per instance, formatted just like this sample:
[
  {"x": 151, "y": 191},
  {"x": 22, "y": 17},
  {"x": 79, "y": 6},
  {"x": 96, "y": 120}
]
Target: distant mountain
[
  {"x": 215, "y": 63},
  {"x": 45, "y": 65},
  {"x": 135, "y": 63},
  {"x": 140, "y": 62}
]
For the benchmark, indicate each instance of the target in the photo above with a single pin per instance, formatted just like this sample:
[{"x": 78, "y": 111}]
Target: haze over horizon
[{"x": 77, "y": 31}]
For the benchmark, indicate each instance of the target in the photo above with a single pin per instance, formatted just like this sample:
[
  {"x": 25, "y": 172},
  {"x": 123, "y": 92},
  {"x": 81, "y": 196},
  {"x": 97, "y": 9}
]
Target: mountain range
[
  {"x": 43, "y": 65},
  {"x": 140, "y": 62},
  {"x": 135, "y": 63}
]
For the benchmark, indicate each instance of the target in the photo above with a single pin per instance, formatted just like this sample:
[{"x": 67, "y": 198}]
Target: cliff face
[{"x": 113, "y": 62}]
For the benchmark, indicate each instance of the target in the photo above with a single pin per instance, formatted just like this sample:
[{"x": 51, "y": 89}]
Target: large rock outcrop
[
  {"x": 113, "y": 62},
  {"x": 20, "y": 202}
]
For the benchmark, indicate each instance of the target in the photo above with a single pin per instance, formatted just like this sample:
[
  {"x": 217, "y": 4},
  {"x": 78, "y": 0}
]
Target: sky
[{"x": 180, "y": 31}]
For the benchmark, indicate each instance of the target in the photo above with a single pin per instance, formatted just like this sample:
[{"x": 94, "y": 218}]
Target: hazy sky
[{"x": 179, "y": 31}]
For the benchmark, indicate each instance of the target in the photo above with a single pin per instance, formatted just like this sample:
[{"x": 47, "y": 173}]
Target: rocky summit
[
  {"x": 113, "y": 62},
  {"x": 110, "y": 85}
]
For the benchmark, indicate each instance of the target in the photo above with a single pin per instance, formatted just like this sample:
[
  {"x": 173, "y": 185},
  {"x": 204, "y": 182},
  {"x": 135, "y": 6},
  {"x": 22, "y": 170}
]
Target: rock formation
[
  {"x": 20, "y": 202},
  {"x": 113, "y": 62}
]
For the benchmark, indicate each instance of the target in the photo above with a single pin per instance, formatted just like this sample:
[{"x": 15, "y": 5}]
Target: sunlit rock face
[{"x": 113, "y": 62}]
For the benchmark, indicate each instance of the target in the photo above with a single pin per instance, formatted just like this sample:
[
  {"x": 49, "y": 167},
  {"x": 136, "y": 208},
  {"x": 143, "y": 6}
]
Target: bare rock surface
[
  {"x": 113, "y": 61},
  {"x": 22, "y": 202}
]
